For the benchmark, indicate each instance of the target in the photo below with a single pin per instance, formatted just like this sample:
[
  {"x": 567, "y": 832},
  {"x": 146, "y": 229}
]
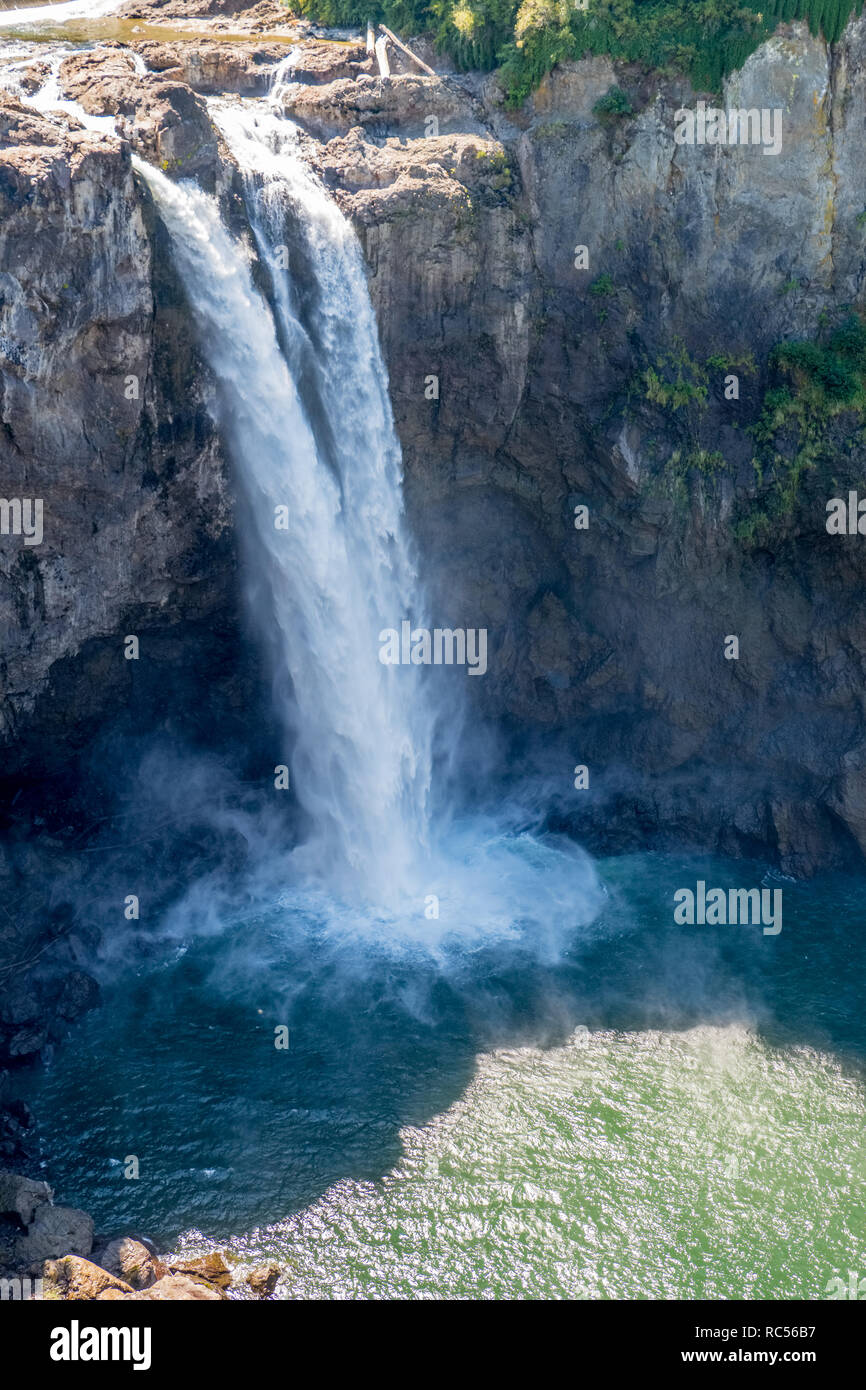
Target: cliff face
[
  {"x": 104, "y": 421},
  {"x": 610, "y": 640},
  {"x": 555, "y": 389}
]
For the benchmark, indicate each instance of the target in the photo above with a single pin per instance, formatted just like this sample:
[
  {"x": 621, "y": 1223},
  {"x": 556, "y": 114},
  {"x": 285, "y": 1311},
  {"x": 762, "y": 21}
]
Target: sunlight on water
[{"x": 648, "y": 1165}]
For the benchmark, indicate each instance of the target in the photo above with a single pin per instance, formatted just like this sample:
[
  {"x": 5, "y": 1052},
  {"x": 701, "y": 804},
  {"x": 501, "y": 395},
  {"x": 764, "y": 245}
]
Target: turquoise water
[{"x": 660, "y": 1111}]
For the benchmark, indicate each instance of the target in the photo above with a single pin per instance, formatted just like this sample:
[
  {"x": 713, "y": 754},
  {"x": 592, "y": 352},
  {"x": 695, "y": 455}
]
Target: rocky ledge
[{"x": 50, "y": 1252}]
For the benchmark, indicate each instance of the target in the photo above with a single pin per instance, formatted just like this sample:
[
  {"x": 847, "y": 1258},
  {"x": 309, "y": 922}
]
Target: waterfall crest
[
  {"x": 332, "y": 568},
  {"x": 304, "y": 409}
]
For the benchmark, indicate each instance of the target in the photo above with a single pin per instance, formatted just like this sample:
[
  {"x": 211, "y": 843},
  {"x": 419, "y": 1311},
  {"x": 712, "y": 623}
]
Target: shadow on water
[{"x": 179, "y": 1068}]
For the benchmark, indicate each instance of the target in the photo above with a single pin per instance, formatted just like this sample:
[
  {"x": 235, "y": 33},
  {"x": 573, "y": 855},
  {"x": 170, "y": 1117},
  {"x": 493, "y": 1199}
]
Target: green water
[
  {"x": 659, "y": 1112},
  {"x": 701, "y": 1165}
]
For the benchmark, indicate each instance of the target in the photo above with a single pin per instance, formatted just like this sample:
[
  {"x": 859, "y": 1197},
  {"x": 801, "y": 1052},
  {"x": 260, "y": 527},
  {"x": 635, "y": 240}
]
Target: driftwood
[
  {"x": 382, "y": 57},
  {"x": 407, "y": 51}
]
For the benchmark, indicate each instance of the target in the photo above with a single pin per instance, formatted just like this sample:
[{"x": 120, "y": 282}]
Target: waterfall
[
  {"x": 57, "y": 14},
  {"x": 302, "y": 404},
  {"x": 309, "y": 426},
  {"x": 303, "y": 407}
]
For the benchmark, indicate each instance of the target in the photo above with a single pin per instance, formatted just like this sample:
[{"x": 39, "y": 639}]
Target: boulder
[
  {"x": 27, "y": 1041},
  {"x": 129, "y": 1260},
  {"x": 20, "y": 1002},
  {"x": 74, "y": 1278},
  {"x": 55, "y": 1231},
  {"x": 263, "y": 1280},
  {"x": 95, "y": 77},
  {"x": 22, "y": 1197},
  {"x": 162, "y": 119},
  {"x": 212, "y": 1269},
  {"x": 78, "y": 994}
]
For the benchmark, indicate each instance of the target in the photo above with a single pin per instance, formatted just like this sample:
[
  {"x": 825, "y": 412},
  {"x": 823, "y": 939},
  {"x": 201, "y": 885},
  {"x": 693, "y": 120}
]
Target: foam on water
[{"x": 57, "y": 14}]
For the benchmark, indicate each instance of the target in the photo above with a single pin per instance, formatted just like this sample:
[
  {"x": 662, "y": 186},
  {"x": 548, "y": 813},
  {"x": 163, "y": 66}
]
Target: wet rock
[
  {"x": 20, "y": 1111},
  {"x": 20, "y": 1003},
  {"x": 22, "y": 1197},
  {"x": 34, "y": 77},
  {"x": 263, "y": 1280},
  {"x": 132, "y": 1262},
  {"x": 54, "y": 1232},
  {"x": 211, "y": 1268},
  {"x": 317, "y": 63},
  {"x": 27, "y": 1042},
  {"x": 75, "y": 1278},
  {"x": 160, "y": 57},
  {"x": 176, "y": 1287},
  {"x": 78, "y": 994}
]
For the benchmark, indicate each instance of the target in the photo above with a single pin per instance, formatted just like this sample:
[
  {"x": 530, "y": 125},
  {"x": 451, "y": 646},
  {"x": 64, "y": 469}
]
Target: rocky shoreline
[{"x": 51, "y": 1252}]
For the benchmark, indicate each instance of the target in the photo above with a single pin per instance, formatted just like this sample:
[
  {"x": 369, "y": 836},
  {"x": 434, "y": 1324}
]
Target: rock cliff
[{"x": 555, "y": 389}]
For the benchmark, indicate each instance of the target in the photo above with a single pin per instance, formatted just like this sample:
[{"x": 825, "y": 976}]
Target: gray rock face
[
  {"x": 609, "y": 642},
  {"x": 86, "y": 424},
  {"x": 54, "y": 1232},
  {"x": 22, "y": 1197}
]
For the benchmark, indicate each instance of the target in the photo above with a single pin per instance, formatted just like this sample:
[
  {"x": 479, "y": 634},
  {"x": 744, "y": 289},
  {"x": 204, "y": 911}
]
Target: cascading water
[
  {"x": 26, "y": 15},
  {"x": 361, "y": 763},
  {"x": 306, "y": 414},
  {"x": 304, "y": 408},
  {"x": 398, "y": 1150}
]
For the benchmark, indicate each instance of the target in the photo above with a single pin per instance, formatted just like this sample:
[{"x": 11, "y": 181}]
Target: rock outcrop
[
  {"x": 132, "y": 1262},
  {"x": 104, "y": 419},
  {"x": 75, "y": 1279},
  {"x": 546, "y": 363},
  {"x": 57, "y": 1251}
]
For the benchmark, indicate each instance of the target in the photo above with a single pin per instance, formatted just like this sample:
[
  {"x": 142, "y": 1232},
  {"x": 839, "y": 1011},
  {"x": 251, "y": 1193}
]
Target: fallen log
[
  {"x": 382, "y": 57},
  {"x": 407, "y": 51}
]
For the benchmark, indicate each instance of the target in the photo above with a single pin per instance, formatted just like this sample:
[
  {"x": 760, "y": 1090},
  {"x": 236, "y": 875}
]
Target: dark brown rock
[
  {"x": 211, "y": 1268},
  {"x": 263, "y": 1280},
  {"x": 132, "y": 1262}
]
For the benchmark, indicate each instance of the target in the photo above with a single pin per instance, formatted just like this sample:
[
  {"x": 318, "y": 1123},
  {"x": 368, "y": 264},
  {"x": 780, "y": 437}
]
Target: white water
[
  {"x": 57, "y": 14},
  {"x": 306, "y": 415},
  {"x": 49, "y": 96},
  {"x": 340, "y": 573}
]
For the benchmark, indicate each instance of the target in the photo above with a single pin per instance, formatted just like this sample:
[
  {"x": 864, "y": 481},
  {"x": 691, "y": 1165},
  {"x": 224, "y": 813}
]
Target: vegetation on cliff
[
  {"x": 813, "y": 382},
  {"x": 703, "y": 38},
  {"x": 808, "y": 422}
]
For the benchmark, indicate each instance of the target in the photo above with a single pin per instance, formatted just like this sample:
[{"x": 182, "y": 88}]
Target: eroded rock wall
[{"x": 609, "y": 642}]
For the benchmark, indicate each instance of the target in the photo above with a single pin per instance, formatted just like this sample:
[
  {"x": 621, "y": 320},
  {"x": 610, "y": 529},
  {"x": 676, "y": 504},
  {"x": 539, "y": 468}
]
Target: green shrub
[
  {"x": 614, "y": 103},
  {"x": 704, "y": 38},
  {"x": 602, "y": 286}
]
